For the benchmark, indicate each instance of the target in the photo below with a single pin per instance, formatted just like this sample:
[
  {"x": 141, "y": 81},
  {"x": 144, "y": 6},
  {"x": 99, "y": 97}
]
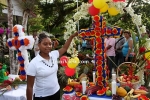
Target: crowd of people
[{"x": 119, "y": 50}]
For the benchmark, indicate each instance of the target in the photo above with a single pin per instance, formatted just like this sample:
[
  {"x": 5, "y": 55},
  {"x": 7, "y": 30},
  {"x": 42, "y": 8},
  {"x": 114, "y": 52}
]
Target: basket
[{"x": 136, "y": 84}]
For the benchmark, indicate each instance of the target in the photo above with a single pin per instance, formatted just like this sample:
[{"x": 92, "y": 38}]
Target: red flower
[
  {"x": 100, "y": 78},
  {"x": 115, "y": 31},
  {"x": 99, "y": 57},
  {"x": 142, "y": 97},
  {"x": 148, "y": 65},
  {"x": 99, "y": 45},
  {"x": 98, "y": 51},
  {"x": 97, "y": 24},
  {"x": 99, "y": 68},
  {"x": 92, "y": 33},
  {"x": 98, "y": 40},
  {"x": 84, "y": 97},
  {"x": 96, "y": 18},
  {"x": 88, "y": 33},
  {"x": 142, "y": 49},
  {"x": 82, "y": 34},
  {"x": 108, "y": 31},
  {"x": 7, "y": 82}
]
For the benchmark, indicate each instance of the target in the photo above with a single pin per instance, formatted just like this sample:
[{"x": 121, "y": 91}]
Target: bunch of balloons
[
  {"x": 70, "y": 64},
  {"x": 100, "y": 6}
]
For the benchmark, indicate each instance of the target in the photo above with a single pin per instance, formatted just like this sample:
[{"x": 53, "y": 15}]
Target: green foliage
[
  {"x": 5, "y": 60},
  {"x": 35, "y": 24},
  {"x": 2, "y": 6},
  {"x": 87, "y": 69},
  {"x": 86, "y": 52}
]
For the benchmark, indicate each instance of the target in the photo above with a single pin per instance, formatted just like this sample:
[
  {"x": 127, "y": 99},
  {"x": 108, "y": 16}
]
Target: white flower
[
  {"x": 143, "y": 29},
  {"x": 136, "y": 19},
  {"x": 130, "y": 11},
  {"x": 71, "y": 27}
]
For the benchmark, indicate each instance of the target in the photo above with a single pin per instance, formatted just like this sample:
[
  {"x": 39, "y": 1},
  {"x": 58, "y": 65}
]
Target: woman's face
[
  {"x": 126, "y": 35},
  {"x": 45, "y": 45}
]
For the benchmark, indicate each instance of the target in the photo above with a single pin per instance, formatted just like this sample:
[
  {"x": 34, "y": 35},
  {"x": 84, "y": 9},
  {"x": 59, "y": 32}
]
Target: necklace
[{"x": 51, "y": 62}]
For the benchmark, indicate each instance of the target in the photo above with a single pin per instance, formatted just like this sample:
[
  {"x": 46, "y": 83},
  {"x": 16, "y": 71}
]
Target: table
[
  {"x": 90, "y": 97},
  {"x": 19, "y": 94}
]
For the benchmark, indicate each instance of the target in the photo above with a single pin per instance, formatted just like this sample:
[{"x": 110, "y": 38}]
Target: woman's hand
[
  {"x": 120, "y": 47},
  {"x": 66, "y": 45},
  {"x": 75, "y": 34}
]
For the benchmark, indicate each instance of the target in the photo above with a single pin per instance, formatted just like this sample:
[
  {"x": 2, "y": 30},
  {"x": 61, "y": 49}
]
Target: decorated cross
[
  {"x": 21, "y": 43},
  {"x": 98, "y": 31}
]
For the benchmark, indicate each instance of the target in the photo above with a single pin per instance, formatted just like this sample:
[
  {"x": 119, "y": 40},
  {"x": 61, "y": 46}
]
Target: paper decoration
[
  {"x": 98, "y": 31},
  {"x": 21, "y": 43}
]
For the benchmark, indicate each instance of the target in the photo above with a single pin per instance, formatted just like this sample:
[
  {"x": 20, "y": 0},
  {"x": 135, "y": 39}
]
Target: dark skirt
[{"x": 55, "y": 96}]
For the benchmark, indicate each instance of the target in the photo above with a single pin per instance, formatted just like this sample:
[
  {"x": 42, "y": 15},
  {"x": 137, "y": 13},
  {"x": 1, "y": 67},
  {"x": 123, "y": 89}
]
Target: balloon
[
  {"x": 64, "y": 60},
  {"x": 105, "y": 8},
  {"x": 99, "y": 3},
  {"x": 73, "y": 62},
  {"x": 90, "y": 1},
  {"x": 113, "y": 11},
  {"x": 93, "y": 11},
  {"x": 69, "y": 71},
  {"x": 147, "y": 55}
]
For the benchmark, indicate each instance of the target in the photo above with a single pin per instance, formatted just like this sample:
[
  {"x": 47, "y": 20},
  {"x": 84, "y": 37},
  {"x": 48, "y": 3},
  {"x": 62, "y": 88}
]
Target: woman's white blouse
[{"x": 46, "y": 82}]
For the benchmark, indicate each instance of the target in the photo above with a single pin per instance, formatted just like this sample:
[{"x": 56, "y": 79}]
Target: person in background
[
  {"x": 89, "y": 46},
  {"x": 42, "y": 70},
  {"x": 36, "y": 48},
  {"x": 110, "y": 53},
  {"x": 84, "y": 44},
  {"x": 119, "y": 56},
  {"x": 127, "y": 47}
]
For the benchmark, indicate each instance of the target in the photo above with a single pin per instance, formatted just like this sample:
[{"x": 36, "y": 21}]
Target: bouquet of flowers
[{"x": 8, "y": 84}]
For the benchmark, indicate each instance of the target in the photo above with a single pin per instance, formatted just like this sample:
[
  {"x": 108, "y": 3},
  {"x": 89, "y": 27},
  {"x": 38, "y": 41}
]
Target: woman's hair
[
  {"x": 42, "y": 36},
  {"x": 128, "y": 32}
]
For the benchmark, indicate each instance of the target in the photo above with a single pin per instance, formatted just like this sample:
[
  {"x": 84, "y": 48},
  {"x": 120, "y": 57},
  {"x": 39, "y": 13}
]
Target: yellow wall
[{"x": 3, "y": 2}]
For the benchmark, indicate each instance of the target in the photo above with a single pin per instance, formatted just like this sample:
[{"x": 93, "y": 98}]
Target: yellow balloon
[
  {"x": 77, "y": 60},
  {"x": 113, "y": 11},
  {"x": 99, "y": 3},
  {"x": 147, "y": 55},
  {"x": 105, "y": 8},
  {"x": 73, "y": 62}
]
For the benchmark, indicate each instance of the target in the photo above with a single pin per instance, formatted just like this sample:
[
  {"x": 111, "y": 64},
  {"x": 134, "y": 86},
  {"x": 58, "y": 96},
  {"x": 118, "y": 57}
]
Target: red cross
[{"x": 98, "y": 31}]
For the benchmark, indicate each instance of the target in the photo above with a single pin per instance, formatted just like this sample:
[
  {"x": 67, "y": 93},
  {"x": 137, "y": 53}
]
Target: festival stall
[{"x": 127, "y": 82}]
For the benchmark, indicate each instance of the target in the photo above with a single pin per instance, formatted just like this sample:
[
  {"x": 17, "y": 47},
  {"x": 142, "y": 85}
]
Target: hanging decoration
[
  {"x": 21, "y": 43},
  {"x": 64, "y": 61},
  {"x": 105, "y": 8},
  {"x": 69, "y": 71},
  {"x": 113, "y": 11},
  {"x": 93, "y": 11},
  {"x": 73, "y": 62},
  {"x": 99, "y": 3}
]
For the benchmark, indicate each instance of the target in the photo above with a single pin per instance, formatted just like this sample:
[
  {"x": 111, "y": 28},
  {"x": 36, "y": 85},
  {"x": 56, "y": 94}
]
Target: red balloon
[
  {"x": 64, "y": 61},
  {"x": 93, "y": 11},
  {"x": 69, "y": 71},
  {"x": 90, "y": 1}
]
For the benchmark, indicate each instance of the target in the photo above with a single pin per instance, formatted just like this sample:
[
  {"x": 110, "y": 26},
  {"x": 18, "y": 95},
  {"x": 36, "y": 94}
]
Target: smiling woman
[{"x": 43, "y": 69}]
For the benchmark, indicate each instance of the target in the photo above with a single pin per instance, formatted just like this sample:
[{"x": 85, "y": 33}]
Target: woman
[
  {"x": 84, "y": 44},
  {"x": 42, "y": 70},
  {"x": 127, "y": 47}
]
